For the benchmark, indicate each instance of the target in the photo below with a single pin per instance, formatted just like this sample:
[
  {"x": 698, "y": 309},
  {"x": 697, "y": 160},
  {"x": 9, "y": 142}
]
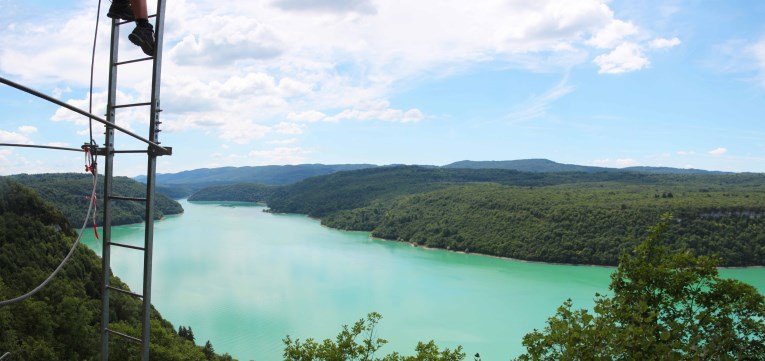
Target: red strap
[{"x": 91, "y": 168}]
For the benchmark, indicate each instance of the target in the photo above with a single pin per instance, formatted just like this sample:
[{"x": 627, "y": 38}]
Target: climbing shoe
[
  {"x": 143, "y": 36},
  {"x": 120, "y": 9}
]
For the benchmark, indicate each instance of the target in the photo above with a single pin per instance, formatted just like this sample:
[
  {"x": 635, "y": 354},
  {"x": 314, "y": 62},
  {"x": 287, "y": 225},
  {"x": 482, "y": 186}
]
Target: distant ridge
[
  {"x": 179, "y": 185},
  {"x": 548, "y": 166}
]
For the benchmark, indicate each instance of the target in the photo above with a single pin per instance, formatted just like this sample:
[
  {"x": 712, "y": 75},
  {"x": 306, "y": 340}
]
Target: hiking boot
[
  {"x": 143, "y": 36},
  {"x": 120, "y": 9}
]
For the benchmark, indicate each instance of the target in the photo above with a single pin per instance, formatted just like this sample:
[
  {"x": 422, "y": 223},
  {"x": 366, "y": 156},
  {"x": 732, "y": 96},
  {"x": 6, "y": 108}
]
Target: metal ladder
[{"x": 108, "y": 152}]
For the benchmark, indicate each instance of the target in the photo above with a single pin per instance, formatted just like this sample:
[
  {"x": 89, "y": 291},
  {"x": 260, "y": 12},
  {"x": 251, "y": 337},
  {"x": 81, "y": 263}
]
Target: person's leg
[
  {"x": 139, "y": 9},
  {"x": 143, "y": 34}
]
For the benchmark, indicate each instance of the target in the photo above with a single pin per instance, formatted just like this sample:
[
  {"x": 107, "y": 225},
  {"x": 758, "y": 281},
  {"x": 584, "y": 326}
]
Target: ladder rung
[
  {"x": 124, "y": 291},
  {"x": 131, "y": 338},
  {"x": 128, "y": 151},
  {"x": 134, "y": 60},
  {"x": 130, "y": 21},
  {"x": 131, "y": 105},
  {"x": 121, "y": 198},
  {"x": 126, "y": 246}
]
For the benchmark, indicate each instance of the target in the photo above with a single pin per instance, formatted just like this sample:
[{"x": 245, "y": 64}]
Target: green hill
[
  {"x": 62, "y": 321},
  {"x": 569, "y": 217},
  {"x": 590, "y": 223},
  {"x": 320, "y": 196},
  {"x": 185, "y": 183},
  {"x": 242, "y": 192},
  {"x": 546, "y": 166},
  {"x": 68, "y": 192}
]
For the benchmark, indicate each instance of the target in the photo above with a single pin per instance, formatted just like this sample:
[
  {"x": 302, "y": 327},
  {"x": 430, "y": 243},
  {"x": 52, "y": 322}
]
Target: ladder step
[
  {"x": 134, "y": 60},
  {"x": 131, "y": 338},
  {"x": 130, "y": 21},
  {"x": 126, "y": 246},
  {"x": 124, "y": 291},
  {"x": 132, "y": 105},
  {"x": 121, "y": 198},
  {"x": 129, "y": 151}
]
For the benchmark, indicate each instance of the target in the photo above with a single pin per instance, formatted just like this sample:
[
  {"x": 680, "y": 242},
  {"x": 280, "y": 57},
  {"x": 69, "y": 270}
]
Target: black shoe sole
[
  {"x": 147, "y": 48},
  {"x": 120, "y": 16}
]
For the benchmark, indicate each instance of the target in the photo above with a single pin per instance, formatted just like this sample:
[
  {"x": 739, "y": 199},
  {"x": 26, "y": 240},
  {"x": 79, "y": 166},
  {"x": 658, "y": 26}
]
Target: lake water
[{"x": 244, "y": 279}]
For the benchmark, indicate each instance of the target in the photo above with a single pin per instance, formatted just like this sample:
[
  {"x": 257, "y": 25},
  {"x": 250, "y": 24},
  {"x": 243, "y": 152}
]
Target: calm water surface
[{"x": 244, "y": 279}]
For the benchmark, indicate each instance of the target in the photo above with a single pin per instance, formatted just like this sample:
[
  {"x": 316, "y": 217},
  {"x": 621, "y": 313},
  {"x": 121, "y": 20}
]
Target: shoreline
[{"x": 470, "y": 253}]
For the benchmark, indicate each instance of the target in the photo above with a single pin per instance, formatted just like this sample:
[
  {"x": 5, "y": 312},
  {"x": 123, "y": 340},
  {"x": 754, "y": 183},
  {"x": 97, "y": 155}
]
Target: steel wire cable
[
  {"x": 91, "y": 159},
  {"x": 68, "y": 256}
]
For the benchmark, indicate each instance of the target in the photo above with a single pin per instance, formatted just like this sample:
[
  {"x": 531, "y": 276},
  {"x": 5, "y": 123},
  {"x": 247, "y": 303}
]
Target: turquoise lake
[{"x": 244, "y": 279}]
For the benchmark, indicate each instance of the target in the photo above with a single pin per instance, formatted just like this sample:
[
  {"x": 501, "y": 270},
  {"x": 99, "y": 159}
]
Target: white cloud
[
  {"x": 13, "y": 137},
  {"x": 224, "y": 40},
  {"x": 309, "y": 116},
  {"x": 27, "y": 129},
  {"x": 280, "y": 155},
  {"x": 289, "y": 128},
  {"x": 377, "y": 110},
  {"x": 685, "y": 152},
  {"x": 612, "y": 34},
  {"x": 258, "y": 62},
  {"x": 618, "y": 162},
  {"x": 283, "y": 141},
  {"x": 758, "y": 52},
  {"x": 663, "y": 43},
  {"x": 241, "y": 131},
  {"x": 624, "y": 58},
  {"x": 334, "y": 6},
  {"x": 718, "y": 151},
  {"x": 372, "y": 110},
  {"x": 538, "y": 106}
]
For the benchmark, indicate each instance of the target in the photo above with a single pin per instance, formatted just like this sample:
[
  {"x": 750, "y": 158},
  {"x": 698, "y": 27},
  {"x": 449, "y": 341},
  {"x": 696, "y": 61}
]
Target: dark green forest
[
  {"x": 62, "y": 321},
  {"x": 68, "y": 192},
  {"x": 571, "y": 217},
  {"x": 546, "y": 165},
  {"x": 242, "y": 192}
]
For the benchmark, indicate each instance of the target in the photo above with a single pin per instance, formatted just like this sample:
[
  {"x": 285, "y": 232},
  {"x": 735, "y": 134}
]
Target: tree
[
  {"x": 209, "y": 351},
  {"x": 186, "y": 333},
  {"x": 346, "y": 347},
  {"x": 664, "y": 305}
]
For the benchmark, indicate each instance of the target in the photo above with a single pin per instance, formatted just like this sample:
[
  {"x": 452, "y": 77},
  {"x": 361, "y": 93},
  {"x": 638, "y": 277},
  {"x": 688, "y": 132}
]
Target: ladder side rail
[
  {"x": 151, "y": 179},
  {"x": 108, "y": 177}
]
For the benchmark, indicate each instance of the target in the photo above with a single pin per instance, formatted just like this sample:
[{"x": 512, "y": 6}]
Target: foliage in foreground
[
  {"x": 62, "y": 321},
  {"x": 347, "y": 346},
  {"x": 669, "y": 306}
]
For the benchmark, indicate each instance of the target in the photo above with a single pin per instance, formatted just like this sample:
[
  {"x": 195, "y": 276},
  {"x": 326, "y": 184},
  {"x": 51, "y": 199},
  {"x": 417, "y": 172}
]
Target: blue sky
[{"x": 614, "y": 83}]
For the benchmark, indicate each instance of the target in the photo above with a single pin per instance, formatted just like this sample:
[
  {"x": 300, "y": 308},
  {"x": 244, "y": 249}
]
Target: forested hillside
[
  {"x": 62, "y": 321},
  {"x": 68, "y": 192},
  {"x": 243, "y": 192},
  {"x": 548, "y": 166},
  {"x": 186, "y": 183},
  {"x": 320, "y": 196},
  {"x": 589, "y": 223},
  {"x": 558, "y": 217}
]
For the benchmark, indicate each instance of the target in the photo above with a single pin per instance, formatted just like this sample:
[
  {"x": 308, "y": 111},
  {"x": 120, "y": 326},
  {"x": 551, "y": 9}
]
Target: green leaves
[
  {"x": 665, "y": 306},
  {"x": 348, "y": 347}
]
